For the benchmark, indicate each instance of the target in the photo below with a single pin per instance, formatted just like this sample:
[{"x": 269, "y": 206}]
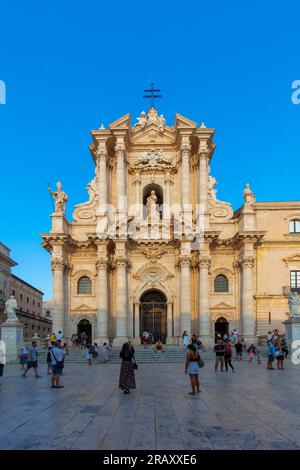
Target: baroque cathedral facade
[{"x": 154, "y": 248}]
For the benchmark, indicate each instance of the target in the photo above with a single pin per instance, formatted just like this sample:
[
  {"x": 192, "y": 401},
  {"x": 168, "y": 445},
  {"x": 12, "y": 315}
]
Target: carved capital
[
  {"x": 184, "y": 261},
  {"x": 186, "y": 150},
  {"x": 204, "y": 155},
  {"x": 121, "y": 261},
  {"x": 57, "y": 264},
  {"x": 120, "y": 152},
  {"x": 101, "y": 154},
  {"x": 102, "y": 263},
  {"x": 246, "y": 261},
  {"x": 204, "y": 262}
]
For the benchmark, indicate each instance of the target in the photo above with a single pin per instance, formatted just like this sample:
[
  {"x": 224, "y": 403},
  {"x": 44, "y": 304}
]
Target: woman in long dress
[
  {"x": 103, "y": 353},
  {"x": 127, "y": 378},
  {"x": 185, "y": 339}
]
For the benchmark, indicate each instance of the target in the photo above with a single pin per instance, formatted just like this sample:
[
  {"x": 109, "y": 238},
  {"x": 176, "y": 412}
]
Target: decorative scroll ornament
[
  {"x": 218, "y": 209},
  {"x": 154, "y": 253},
  {"x": 204, "y": 261}
]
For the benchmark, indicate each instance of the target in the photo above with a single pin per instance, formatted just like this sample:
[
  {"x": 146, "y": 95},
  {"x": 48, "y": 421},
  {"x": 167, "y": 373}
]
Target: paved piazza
[{"x": 251, "y": 409}]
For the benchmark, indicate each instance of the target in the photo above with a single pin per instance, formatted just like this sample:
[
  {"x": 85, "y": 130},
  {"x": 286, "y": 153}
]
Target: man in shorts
[
  {"x": 57, "y": 357},
  {"x": 32, "y": 360}
]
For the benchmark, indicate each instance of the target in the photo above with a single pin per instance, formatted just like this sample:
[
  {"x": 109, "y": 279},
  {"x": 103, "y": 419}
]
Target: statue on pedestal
[
  {"x": 10, "y": 309},
  {"x": 60, "y": 199},
  {"x": 151, "y": 205},
  {"x": 294, "y": 305},
  {"x": 249, "y": 197}
]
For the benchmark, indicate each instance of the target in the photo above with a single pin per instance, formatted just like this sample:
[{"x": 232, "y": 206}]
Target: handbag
[
  {"x": 135, "y": 366},
  {"x": 200, "y": 362},
  {"x": 59, "y": 364}
]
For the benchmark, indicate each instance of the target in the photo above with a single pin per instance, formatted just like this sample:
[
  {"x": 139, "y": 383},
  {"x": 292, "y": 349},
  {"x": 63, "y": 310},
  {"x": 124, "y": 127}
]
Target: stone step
[{"x": 170, "y": 355}]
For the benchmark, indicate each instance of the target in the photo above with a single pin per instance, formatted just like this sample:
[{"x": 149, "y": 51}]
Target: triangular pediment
[
  {"x": 184, "y": 122},
  {"x": 292, "y": 259},
  {"x": 152, "y": 134},
  {"x": 121, "y": 123},
  {"x": 83, "y": 308},
  {"x": 222, "y": 306}
]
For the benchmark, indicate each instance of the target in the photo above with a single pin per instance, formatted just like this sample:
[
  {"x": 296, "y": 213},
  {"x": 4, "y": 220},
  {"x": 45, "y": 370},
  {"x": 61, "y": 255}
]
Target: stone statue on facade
[
  {"x": 142, "y": 120},
  {"x": 249, "y": 197},
  {"x": 294, "y": 305},
  {"x": 10, "y": 309},
  {"x": 92, "y": 187},
  {"x": 212, "y": 192},
  {"x": 60, "y": 199},
  {"x": 162, "y": 123},
  {"x": 151, "y": 205}
]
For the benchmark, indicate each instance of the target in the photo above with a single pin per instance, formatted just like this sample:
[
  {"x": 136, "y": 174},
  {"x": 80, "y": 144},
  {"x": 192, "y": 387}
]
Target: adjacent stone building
[
  {"x": 29, "y": 299},
  {"x": 153, "y": 247}
]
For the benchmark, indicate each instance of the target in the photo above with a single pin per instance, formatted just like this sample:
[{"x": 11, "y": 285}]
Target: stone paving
[{"x": 251, "y": 409}]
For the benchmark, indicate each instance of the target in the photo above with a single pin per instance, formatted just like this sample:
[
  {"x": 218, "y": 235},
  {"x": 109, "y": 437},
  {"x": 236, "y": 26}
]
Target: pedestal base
[
  {"x": 12, "y": 336},
  {"x": 292, "y": 330}
]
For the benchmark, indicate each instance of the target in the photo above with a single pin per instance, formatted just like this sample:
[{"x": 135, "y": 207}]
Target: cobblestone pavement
[{"x": 251, "y": 409}]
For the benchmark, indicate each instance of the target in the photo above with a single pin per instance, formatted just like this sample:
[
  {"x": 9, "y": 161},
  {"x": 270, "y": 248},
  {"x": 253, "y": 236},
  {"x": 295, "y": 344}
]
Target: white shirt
[{"x": 59, "y": 336}]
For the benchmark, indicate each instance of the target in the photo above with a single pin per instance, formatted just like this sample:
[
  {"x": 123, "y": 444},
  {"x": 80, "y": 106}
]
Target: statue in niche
[
  {"x": 60, "y": 199},
  {"x": 152, "y": 206}
]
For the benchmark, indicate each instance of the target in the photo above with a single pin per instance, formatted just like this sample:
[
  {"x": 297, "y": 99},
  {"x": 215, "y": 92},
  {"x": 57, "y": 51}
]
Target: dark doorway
[
  {"x": 153, "y": 314},
  {"x": 84, "y": 326},
  {"x": 221, "y": 328}
]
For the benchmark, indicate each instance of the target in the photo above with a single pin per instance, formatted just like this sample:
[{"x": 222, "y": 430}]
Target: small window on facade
[
  {"x": 221, "y": 283},
  {"x": 13, "y": 292},
  {"x": 32, "y": 327},
  {"x": 295, "y": 281},
  {"x": 28, "y": 300},
  {"x": 33, "y": 302},
  {"x": 84, "y": 285},
  {"x": 270, "y": 318},
  {"x": 21, "y": 296},
  {"x": 294, "y": 226}
]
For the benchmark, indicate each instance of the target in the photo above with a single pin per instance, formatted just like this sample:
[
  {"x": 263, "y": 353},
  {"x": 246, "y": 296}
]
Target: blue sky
[{"x": 69, "y": 66}]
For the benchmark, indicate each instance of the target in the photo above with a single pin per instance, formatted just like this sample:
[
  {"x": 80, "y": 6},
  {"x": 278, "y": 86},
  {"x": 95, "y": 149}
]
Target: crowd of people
[{"x": 225, "y": 348}]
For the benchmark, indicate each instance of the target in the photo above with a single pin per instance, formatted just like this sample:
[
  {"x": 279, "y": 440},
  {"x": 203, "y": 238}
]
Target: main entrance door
[
  {"x": 221, "y": 327},
  {"x": 84, "y": 326},
  {"x": 153, "y": 314}
]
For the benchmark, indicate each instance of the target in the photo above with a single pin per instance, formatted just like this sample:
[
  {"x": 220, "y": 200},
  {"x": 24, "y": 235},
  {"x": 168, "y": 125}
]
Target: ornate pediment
[
  {"x": 184, "y": 122},
  {"x": 121, "y": 123}
]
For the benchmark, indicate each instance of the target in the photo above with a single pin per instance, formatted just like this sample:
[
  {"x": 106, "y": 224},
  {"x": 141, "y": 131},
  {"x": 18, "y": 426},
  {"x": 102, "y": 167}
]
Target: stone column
[
  {"x": 185, "y": 294},
  {"x": 185, "y": 177},
  {"x": 102, "y": 180},
  {"x": 121, "y": 187},
  {"x": 204, "y": 316},
  {"x": 137, "y": 340},
  {"x": 248, "y": 321},
  {"x": 203, "y": 177},
  {"x": 67, "y": 314},
  {"x": 170, "y": 337},
  {"x": 138, "y": 202},
  {"x": 102, "y": 300},
  {"x": 121, "y": 300},
  {"x": 57, "y": 267}
]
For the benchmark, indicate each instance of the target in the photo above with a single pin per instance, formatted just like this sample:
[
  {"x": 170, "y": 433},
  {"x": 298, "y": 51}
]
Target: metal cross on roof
[{"x": 152, "y": 94}]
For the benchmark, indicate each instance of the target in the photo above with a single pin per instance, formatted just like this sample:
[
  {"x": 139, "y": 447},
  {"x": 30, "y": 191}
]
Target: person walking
[
  {"x": 127, "y": 377},
  {"x": 57, "y": 358},
  {"x": 49, "y": 361},
  {"x": 194, "y": 342},
  {"x": 89, "y": 353},
  {"x": 23, "y": 357},
  {"x": 228, "y": 356},
  {"x": 192, "y": 368},
  {"x": 32, "y": 360},
  {"x": 146, "y": 339},
  {"x": 284, "y": 348},
  {"x": 251, "y": 352},
  {"x": 220, "y": 351},
  {"x": 271, "y": 355},
  {"x": 238, "y": 350},
  {"x": 185, "y": 339},
  {"x": 103, "y": 353}
]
